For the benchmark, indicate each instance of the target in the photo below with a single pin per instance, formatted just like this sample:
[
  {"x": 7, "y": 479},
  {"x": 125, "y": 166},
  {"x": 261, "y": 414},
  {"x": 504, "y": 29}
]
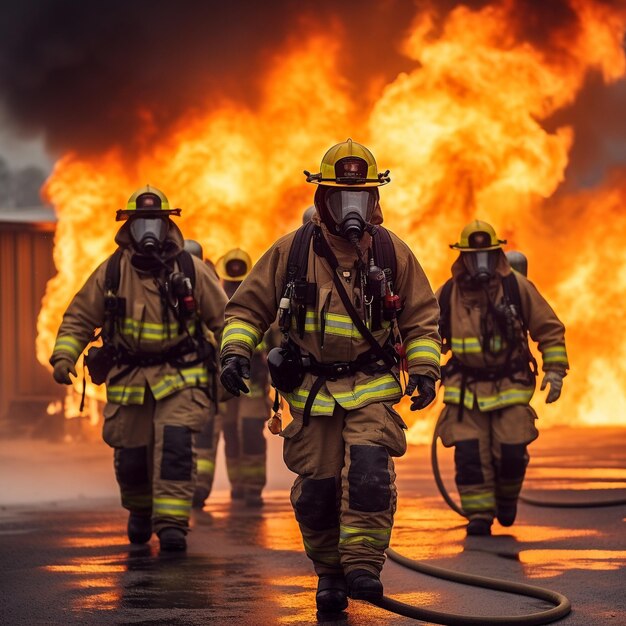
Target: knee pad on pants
[
  {"x": 317, "y": 506},
  {"x": 467, "y": 460},
  {"x": 177, "y": 458},
  {"x": 205, "y": 438},
  {"x": 252, "y": 439},
  {"x": 513, "y": 460},
  {"x": 131, "y": 466},
  {"x": 369, "y": 479}
]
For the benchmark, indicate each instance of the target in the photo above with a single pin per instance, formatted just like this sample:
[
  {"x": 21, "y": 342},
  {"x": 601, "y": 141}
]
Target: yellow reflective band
[
  {"x": 237, "y": 331},
  {"x": 423, "y": 350},
  {"x": 152, "y": 331},
  {"x": 381, "y": 388},
  {"x": 196, "y": 376},
  {"x": 121, "y": 394},
  {"x": 555, "y": 354},
  {"x": 334, "y": 324},
  {"x": 252, "y": 472},
  {"x": 378, "y": 537},
  {"x": 138, "y": 501},
  {"x": 466, "y": 345},
  {"x": 478, "y": 502},
  {"x": 69, "y": 345},
  {"x": 452, "y": 395},
  {"x": 322, "y": 405},
  {"x": 327, "y": 557},
  {"x": 172, "y": 507},
  {"x": 510, "y": 488},
  {"x": 508, "y": 397},
  {"x": 205, "y": 466}
]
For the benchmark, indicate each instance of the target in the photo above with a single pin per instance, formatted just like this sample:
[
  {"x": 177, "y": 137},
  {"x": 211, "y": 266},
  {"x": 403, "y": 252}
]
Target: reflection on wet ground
[{"x": 247, "y": 566}]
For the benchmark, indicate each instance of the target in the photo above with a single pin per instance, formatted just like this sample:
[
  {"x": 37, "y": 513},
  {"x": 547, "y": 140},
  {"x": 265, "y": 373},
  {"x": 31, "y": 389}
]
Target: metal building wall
[{"x": 26, "y": 387}]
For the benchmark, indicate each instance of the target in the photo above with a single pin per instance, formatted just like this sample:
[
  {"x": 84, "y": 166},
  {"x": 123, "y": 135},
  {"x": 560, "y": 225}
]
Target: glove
[
  {"x": 62, "y": 370},
  {"x": 425, "y": 386},
  {"x": 234, "y": 370},
  {"x": 555, "y": 379}
]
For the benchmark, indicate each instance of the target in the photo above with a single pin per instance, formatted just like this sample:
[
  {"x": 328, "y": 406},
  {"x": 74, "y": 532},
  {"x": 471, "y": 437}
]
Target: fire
[{"x": 463, "y": 136}]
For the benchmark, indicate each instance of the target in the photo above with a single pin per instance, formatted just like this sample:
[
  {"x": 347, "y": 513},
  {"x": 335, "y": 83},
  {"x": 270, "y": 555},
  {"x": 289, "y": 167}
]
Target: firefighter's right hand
[
  {"x": 62, "y": 370},
  {"x": 234, "y": 370}
]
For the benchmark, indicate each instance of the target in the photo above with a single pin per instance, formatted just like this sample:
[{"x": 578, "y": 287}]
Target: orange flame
[{"x": 463, "y": 138}]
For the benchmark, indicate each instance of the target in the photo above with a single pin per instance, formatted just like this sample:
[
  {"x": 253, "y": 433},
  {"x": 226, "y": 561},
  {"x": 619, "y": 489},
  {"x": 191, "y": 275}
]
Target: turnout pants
[
  {"x": 155, "y": 462},
  {"x": 344, "y": 497},
  {"x": 490, "y": 454},
  {"x": 244, "y": 445}
]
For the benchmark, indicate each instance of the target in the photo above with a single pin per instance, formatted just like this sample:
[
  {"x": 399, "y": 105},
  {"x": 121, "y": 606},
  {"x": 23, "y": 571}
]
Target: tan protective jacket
[
  {"x": 254, "y": 307},
  {"x": 467, "y": 308},
  {"x": 144, "y": 327}
]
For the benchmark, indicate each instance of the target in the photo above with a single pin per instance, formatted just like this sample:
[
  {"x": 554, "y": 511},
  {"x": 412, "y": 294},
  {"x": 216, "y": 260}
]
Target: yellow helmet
[
  {"x": 234, "y": 266},
  {"x": 478, "y": 236},
  {"x": 348, "y": 164},
  {"x": 148, "y": 201}
]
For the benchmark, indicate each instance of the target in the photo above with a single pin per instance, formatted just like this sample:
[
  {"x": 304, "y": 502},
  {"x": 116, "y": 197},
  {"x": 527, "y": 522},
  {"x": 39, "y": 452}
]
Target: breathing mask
[
  {"x": 350, "y": 210},
  {"x": 481, "y": 265},
  {"x": 148, "y": 233}
]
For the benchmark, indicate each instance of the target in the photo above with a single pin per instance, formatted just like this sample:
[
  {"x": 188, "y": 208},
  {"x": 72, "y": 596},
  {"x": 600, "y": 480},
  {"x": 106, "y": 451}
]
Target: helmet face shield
[
  {"x": 148, "y": 233},
  {"x": 481, "y": 266}
]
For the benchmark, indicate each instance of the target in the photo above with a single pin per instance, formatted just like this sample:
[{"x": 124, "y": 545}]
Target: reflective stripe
[
  {"x": 507, "y": 397},
  {"x": 237, "y": 331},
  {"x": 172, "y": 507},
  {"x": 205, "y": 466},
  {"x": 466, "y": 345},
  {"x": 152, "y": 331},
  {"x": 137, "y": 501},
  {"x": 378, "y": 537},
  {"x": 452, "y": 395},
  {"x": 196, "y": 376},
  {"x": 121, "y": 394},
  {"x": 478, "y": 502},
  {"x": 68, "y": 345},
  {"x": 322, "y": 405},
  {"x": 423, "y": 350},
  {"x": 382, "y": 388},
  {"x": 327, "y": 557},
  {"x": 252, "y": 472},
  {"x": 555, "y": 354},
  {"x": 334, "y": 324},
  {"x": 472, "y": 345},
  {"x": 510, "y": 488}
]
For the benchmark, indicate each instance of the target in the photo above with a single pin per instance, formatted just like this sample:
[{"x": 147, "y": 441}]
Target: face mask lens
[
  {"x": 148, "y": 233},
  {"x": 481, "y": 265},
  {"x": 341, "y": 202}
]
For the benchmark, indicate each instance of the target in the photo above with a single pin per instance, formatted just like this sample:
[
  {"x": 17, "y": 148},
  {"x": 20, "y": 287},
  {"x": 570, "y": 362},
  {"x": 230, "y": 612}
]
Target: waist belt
[{"x": 366, "y": 362}]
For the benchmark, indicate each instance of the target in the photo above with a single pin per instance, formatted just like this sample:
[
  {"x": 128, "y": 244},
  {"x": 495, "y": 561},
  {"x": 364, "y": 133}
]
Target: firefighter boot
[
  {"x": 331, "y": 594},
  {"x": 172, "y": 539},
  {"x": 139, "y": 528},
  {"x": 253, "y": 498},
  {"x": 364, "y": 585},
  {"x": 506, "y": 512},
  {"x": 199, "y": 497},
  {"x": 479, "y": 526}
]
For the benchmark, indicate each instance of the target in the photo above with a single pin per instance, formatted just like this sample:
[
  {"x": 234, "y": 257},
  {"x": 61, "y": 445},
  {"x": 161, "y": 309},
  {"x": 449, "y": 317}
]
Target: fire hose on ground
[{"x": 562, "y": 605}]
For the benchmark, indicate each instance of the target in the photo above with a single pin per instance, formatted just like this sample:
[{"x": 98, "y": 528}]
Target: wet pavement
[{"x": 68, "y": 560}]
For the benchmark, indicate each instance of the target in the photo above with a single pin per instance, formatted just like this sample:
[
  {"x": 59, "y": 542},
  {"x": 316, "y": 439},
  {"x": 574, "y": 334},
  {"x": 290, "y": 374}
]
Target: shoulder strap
[
  {"x": 322, "y": 249},
  {"x": 112, "y": 272},
  {"x": 297, "y": 261},
  {"x": 385, "y": 253},
  {"x": 185, "y": 263},
  {"x": 512, "y": 295},
  {"x": 445, "y": 330}
]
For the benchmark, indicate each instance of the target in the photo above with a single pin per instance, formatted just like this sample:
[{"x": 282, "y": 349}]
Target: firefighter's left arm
[
  {"x": 545, "y": 328},
  {"x": 419, "y": 320},
  {"x": 211, "y": 298}
]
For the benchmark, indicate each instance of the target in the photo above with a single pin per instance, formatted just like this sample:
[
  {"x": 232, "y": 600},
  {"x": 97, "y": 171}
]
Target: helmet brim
[
  {"x": 124, "y": 214},
  {"x": 348, "y": 186},
  {"x": 457, "y": 246}
]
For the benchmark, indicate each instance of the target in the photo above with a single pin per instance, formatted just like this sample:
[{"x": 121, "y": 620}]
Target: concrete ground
[{"x": 64, "y": 557}]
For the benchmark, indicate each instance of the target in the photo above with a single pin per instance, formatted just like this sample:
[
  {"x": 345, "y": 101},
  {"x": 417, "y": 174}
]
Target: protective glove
[
  {"x": 62, "y": 370},
  {"x": 234, "y": 370},
  {"x": 555, "y": 379},
  {"x": 425, "y": 386}
]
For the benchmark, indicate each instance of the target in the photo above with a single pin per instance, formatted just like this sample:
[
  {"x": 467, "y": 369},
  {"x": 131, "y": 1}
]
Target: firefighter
[
  {"x": 241, "y": 419},
  {"x": 157, "y": 307},
  {"x": 487, "y": 311},
  {"x": 346, "y": 291}
]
